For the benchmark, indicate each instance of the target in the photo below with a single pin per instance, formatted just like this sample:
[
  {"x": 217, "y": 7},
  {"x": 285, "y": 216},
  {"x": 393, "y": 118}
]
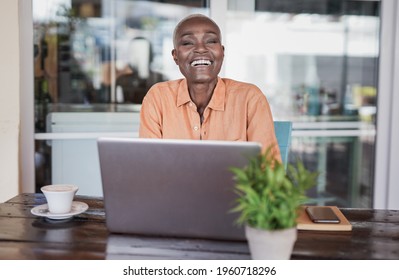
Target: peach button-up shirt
[{"x": 237, "y": 111}]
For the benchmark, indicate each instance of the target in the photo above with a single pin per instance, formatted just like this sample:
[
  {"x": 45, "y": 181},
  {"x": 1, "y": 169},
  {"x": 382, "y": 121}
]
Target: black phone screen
[{"x": 322, "y": 215}]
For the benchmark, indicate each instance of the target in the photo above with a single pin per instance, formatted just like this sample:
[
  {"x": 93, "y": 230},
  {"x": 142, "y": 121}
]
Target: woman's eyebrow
[
  {"x": 190, "y": 33},
  {"x": 186, "y": 34}
]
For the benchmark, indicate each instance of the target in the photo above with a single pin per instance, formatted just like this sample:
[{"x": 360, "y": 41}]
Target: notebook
[
  {"x": 304, "y": 222},
  {"x": 176, "y": 188}
]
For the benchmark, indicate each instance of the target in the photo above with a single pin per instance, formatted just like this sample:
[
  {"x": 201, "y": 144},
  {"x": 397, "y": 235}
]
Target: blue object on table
[{"x": 283, "y": 131}]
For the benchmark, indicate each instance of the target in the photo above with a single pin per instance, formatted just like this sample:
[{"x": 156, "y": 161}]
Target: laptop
[{"x": 173, "y": 188}]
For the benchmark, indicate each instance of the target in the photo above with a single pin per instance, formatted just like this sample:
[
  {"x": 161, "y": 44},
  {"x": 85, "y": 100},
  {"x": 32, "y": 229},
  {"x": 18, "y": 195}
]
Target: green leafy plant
[{"x": 269, "y": 196}]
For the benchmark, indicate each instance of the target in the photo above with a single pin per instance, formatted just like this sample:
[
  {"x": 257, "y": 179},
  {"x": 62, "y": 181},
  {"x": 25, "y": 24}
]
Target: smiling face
[{"x": 198, "y": 50}]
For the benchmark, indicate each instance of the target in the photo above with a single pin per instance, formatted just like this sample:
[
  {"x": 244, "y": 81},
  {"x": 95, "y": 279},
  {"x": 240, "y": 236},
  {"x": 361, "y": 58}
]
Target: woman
[{"x": 203, "y": 105}]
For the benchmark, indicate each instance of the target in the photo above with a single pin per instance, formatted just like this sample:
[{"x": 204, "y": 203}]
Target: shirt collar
[
  {"x": 183, "y": 96},
  {"x": 217, "y": 100}
]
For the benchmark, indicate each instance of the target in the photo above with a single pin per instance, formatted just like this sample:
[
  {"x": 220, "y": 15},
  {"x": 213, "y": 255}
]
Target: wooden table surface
[{"x": 375, "y": 235}]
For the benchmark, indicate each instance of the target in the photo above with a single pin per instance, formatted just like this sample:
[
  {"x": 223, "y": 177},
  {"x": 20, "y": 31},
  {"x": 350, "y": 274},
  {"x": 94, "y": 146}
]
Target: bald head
[{"x": 193, "y": 18}]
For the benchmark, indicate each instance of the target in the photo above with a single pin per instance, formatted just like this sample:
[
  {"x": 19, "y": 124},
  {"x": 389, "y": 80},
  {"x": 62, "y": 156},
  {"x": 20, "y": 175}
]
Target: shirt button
[{"x": 195, "y": 128}]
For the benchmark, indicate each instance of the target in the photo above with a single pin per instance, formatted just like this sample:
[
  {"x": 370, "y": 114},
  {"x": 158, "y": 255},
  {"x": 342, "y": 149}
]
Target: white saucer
[{"x": 78, "y": 207}]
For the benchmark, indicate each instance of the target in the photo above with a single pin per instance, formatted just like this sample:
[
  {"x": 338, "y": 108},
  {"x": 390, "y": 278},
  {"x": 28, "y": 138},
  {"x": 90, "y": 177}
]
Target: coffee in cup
[{"x": 59, "y": 197}]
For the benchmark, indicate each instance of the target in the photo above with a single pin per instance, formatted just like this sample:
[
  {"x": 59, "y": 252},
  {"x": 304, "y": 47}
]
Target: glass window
[
  {"x": 102, "y": 52},
  {"x": 93, "y": 57},
  {"x": 317, "y": 63}
]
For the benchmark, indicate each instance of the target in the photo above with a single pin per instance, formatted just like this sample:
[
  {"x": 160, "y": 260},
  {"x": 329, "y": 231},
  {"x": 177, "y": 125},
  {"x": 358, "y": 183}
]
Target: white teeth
[{"x": 200, "y": 62}]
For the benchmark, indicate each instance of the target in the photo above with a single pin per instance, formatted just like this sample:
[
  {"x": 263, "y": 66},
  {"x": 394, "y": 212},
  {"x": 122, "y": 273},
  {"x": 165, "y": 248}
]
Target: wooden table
[{"x": 375, "y": 235}]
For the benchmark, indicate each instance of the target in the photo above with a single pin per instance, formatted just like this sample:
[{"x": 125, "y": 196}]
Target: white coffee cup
[{"x": 59, "y": 197}]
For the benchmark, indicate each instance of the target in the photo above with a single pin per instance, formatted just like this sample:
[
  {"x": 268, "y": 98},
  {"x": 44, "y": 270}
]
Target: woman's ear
[{"x": 174, "y": 56}]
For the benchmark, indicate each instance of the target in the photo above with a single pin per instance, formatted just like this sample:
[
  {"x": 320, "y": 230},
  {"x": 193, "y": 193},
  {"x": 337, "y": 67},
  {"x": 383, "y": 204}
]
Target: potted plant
[{"x": 268, "y": 203}]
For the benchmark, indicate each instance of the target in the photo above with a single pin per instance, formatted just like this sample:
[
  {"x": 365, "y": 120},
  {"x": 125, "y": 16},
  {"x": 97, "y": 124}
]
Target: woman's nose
[{"x": 200, "y": 47}]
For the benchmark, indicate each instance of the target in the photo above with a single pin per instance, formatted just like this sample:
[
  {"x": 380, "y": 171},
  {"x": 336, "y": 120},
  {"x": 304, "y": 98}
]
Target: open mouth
[{"x": 201, "y": 62}]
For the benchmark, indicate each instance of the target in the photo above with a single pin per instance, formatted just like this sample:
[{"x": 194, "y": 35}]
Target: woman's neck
[{"x": 201, "y": 94}]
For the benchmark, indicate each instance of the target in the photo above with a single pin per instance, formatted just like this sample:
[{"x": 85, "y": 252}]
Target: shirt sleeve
[
  {"x": 261, "y": 125},
  {"x": 150, "y": 116}
]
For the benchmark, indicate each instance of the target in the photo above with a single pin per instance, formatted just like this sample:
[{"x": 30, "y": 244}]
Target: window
[{"x": 316, "y": 61}]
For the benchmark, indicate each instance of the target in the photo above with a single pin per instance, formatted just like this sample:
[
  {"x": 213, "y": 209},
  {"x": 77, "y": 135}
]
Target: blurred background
[{"x": 315, "y": 60}]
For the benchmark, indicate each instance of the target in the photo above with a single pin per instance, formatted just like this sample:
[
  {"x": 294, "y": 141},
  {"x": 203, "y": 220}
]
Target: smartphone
[{"x": 322, "y": 215}]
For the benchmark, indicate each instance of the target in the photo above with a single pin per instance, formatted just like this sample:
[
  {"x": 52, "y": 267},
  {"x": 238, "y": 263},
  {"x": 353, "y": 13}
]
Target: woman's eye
[
  {"x": 213, "y": 41},
  {"x": 186, "y": 43}
]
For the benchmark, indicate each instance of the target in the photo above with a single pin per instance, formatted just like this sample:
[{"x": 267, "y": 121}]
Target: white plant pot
[{"x": 271, "y": 245}]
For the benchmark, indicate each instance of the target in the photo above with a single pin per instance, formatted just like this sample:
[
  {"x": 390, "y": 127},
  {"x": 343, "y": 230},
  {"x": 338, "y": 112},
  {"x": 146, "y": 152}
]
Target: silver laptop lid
[{"x": 180, "y": 188}]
